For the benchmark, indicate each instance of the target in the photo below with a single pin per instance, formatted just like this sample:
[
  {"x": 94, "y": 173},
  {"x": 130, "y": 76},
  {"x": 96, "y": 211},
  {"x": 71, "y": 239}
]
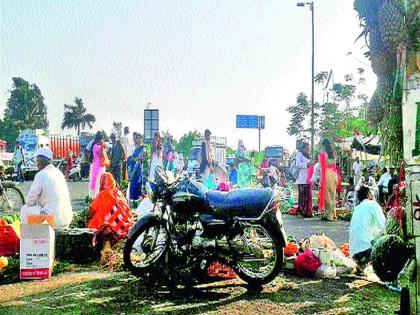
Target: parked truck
[{"x": 32, "y": 140}]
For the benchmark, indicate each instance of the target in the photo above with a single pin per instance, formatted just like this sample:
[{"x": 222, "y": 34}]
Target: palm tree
[{"x": 75, "y": 116}]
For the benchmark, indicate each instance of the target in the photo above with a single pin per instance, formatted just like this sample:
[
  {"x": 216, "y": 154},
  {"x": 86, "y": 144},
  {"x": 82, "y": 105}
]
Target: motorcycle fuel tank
[{"x": 188, "y": 203}]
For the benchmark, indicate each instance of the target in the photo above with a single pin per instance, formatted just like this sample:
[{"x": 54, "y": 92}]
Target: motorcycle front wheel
[
  {"x": 146, "y": 248},
  {"x": 259, "y": 257},
  {"x": 12, "y": 199}
]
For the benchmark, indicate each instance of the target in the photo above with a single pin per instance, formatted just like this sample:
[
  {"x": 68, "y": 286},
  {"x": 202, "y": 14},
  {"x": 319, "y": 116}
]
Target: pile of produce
[
  {"x": 344, "y": 214},
  {"x": 387, "y": 27},
  {"x": 345, "y": 249},
  {"x": 10, "y": 219},
  {"x": 80, "y": 219},
  {"x": 393, "y": 223},
  {"x": 389, "y": 255}
]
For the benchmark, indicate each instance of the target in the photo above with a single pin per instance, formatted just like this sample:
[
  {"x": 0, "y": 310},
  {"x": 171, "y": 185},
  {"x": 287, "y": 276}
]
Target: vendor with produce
[
  {"x": 110, "y": 208},
  {"x": 49, "y": 194},
  {"x": 367, "y": 223}
]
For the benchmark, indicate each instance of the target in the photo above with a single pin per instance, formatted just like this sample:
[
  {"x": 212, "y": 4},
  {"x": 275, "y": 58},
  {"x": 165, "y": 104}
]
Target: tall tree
[
  {"x": 25, "y": 109},
  {"x": 300, "y": 111},
  {"x": 26, "y": 105},
  {"x": 76, "y": 116}
]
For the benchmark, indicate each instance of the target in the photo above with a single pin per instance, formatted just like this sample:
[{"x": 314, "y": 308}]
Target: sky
[{"x": 199, "y": 62}]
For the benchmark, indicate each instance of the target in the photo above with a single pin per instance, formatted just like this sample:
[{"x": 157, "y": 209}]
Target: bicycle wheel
[{"x": 12, "y": 199}]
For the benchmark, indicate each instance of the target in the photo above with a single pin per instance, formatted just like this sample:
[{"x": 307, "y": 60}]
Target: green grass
[{"x": 123, "y": 293}]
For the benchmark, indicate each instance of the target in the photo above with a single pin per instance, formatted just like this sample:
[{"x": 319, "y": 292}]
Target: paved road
[{"x": 297, "y": 226}]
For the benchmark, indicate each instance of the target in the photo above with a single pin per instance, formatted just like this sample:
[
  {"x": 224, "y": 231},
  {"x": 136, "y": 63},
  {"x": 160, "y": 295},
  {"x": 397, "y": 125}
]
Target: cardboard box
[
  {"x": 36, "y": 251},
  {"x": 40, "y": 218}
]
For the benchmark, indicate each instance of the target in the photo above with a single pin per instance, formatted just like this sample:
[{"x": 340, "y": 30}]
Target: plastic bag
[
  {"x": 321, "y": 241},
  {"x": 326, "y": 271},
  {"x": 307, "y": 263}
]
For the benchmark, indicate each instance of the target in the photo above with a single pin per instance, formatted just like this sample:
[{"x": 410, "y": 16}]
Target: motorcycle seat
[{"x": 245, "y": 202}]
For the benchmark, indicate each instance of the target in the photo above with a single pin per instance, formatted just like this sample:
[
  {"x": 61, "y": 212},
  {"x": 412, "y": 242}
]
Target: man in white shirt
[
  {"x": 49, "y": 193},
  {"x": 128, "y": 145},
  {"x": 383, "y": 185},
  {"x": 367, "y": 223},
  {"x": 304, "y": 189},
  {"x": 357, "y": 170}
]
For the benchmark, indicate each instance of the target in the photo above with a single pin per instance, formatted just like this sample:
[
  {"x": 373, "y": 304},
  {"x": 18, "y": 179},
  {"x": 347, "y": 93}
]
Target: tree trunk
[{"x": 78, "y": 129}]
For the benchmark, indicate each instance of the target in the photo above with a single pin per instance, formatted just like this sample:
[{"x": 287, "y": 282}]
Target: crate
[
  {"x": 218, "y": 270},
  {"x": 9, "y": 241}
]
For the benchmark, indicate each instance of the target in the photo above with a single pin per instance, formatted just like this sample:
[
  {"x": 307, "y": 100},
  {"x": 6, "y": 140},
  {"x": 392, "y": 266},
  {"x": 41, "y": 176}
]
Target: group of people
[
  {"x": 49, "y": 195},
  {"x": 381, "y": 189},
  {"x": 324, "y": 170},
  {"x": 242, "y": 172},
  {"x": 127, "y": 159}
]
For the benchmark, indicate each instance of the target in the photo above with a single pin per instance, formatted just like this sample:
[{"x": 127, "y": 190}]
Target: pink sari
[{"x": 97, "y": 170}]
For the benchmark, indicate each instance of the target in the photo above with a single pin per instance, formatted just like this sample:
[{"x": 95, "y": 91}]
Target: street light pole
[{"x": 311, "y": 6}]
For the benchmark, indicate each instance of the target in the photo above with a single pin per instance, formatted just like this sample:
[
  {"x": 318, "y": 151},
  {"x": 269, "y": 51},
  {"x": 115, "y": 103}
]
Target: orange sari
[{"x": 110, "y": 207}]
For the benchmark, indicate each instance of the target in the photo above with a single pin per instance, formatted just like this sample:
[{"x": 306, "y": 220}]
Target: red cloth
[
  {"x": 339, "y": 186},
  {"x": 311, "y": 171},
  {"x": 224, "y": 187},
  {"x": 322, "y": 190},
  {"x": 306, "y": 263},
  {"x": 111, "y": 208}
]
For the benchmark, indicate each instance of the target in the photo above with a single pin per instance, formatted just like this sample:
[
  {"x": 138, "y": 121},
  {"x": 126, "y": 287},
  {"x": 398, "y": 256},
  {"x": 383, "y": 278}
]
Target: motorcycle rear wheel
[
  {"x": 259, "y": 239},
  {"x": 142, "y": 252}
]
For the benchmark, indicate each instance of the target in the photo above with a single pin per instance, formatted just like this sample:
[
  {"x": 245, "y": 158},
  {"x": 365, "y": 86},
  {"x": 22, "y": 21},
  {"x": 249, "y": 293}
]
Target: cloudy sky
[{"x": 199, "y": 62}]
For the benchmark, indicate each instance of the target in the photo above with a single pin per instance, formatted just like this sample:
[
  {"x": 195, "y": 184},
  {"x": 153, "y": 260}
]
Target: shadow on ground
[{"x": 122, "y": 293}]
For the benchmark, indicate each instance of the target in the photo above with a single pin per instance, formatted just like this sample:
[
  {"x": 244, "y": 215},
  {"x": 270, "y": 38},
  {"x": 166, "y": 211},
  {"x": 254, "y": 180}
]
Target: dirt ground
[{"x": 121, "y": 293}]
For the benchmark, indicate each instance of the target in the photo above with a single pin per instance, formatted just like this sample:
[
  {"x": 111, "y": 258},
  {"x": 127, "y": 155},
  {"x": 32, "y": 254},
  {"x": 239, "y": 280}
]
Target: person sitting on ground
[
  {"x": 367, "y": 223},
  {"x": 110, "y": 208},
  {"x": 367, "y": 180},
  {"x": 49, "y": 194}
]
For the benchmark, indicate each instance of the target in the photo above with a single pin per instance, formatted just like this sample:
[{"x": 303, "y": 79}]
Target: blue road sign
[{"x": 250, "y": 121}]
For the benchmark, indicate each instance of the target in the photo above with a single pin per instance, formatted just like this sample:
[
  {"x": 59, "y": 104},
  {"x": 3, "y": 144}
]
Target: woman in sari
[
  {"x": 136, "y": 168},
  {"x": 244, "y": 171},
  {"x": 329, "y": 182},
  {"x": 110, "y": 208},
  {"x": 98, "y": 166},
  {"x": 156, "y": 158}
]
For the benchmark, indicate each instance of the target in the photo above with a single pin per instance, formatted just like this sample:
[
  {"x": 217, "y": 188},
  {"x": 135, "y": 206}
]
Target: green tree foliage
[
  {"x": 117, "y": 129},
  {"x": 343, "y": 109},
  {"x": 299, "y": 117},
  {"x": 185, "y": 142},
  {"x": 25, "y": 109},
  {"x": 76, "y": 116},
  {"x": 230, "y": 151}
]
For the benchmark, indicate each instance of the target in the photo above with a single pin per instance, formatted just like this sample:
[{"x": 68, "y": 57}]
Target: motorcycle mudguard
[
  {"x": 150, "y": 217},
  {"x": 274, "y": 222}
]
